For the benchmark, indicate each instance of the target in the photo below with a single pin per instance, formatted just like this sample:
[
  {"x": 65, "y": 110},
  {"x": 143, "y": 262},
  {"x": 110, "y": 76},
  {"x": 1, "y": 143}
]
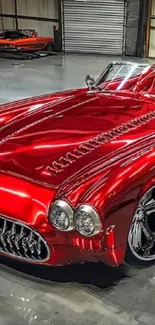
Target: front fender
[
  {"x": 116, "y": 194},
  {"x": 120, "y": 195}
]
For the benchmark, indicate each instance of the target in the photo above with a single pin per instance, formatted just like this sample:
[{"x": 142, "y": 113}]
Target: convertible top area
[{"x": 13, "y": 34}]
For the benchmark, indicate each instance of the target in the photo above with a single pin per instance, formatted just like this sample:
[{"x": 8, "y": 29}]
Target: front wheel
[{"x": 141, "y": 239}]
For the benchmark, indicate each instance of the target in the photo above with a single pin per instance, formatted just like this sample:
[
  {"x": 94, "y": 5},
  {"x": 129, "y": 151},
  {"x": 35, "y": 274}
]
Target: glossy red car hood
[{"x": 40, "y": 138}]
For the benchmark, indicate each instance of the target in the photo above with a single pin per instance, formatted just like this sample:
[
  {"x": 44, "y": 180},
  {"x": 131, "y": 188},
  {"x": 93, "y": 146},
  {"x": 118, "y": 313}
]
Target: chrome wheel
[{"x": 141, "y": 239}]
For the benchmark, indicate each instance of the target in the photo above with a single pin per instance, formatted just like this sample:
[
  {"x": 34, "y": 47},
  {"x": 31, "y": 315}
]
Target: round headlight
[
  {"x": 62, "y": 216},
  {"x": 87, "y": 221}
]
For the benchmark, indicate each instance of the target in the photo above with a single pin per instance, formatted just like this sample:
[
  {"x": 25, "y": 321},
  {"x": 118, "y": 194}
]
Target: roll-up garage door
[{"x": 93, "y": 26}]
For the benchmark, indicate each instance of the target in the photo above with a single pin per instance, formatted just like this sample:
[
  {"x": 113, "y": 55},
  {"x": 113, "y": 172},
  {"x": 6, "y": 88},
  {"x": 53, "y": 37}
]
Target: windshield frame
[{"x": 104, "y": 74}]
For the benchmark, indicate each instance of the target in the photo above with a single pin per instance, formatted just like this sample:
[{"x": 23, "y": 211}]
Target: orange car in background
[{"x": 24, "y": 40}]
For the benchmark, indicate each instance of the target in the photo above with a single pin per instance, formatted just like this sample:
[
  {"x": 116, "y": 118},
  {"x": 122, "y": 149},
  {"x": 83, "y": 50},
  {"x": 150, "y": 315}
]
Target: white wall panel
[
  {"x": 38, "y": 8},
  {"x": 7, "y": 23},
  {"x": 33, "y": 8},
  {"x": 43, "y": 28},
  {"x": 7, "y": 6},
  {"x": 152, "y": 44},
  {"x": 153, "y": 8},
  {"x": 152, "y": 40}
]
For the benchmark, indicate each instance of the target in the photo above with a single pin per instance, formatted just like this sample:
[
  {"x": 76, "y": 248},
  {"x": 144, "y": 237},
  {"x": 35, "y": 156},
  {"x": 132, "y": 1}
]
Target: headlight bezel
[
  {"x": 93, "y": 214},
  {"x": 72, "y": 214},
  {"x": 67, "y": 209}
]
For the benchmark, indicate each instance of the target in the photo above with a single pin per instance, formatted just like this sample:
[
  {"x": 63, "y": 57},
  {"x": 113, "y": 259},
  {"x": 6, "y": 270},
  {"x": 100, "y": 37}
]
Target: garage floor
[
  {"x": 20, "y": 79},
  {"x": 91, "y": 294}
]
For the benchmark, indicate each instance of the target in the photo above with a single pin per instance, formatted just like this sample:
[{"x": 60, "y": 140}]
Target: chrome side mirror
[{"x": 89, "y": 81}]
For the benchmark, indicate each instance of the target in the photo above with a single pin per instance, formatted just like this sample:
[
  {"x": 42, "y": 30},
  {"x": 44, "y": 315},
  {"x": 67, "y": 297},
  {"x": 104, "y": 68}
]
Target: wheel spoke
[
  {"x": 135, "y": 234},
  {"x": 147, "y": 248},
  {"x": 147, "y": 231},
  {"x": 149, "y": 206},
  {"x": 141, "y": 237}
]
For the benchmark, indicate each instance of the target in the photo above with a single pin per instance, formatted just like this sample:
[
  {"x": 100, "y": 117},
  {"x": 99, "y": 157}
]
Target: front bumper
[{"x": 27, "y": 203}]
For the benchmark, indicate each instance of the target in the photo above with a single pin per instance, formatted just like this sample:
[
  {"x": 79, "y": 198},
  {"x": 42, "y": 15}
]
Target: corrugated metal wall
[
  {"x": 42, "y": 27},
  {"x": 7, "y": 7},
  {"x": 132, "y": 19},
  {"x": 38, "y": 8},
  {"x": 31, "y": 8},
  {"x": 93, "y": 26}
]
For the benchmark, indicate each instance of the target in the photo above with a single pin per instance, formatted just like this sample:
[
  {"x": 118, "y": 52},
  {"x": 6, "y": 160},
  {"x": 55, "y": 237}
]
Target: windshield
[{"x": 121, "y": 76}]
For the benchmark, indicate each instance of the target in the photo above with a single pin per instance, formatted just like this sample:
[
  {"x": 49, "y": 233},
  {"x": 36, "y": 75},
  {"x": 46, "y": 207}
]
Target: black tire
[
  {"x": 134, "y": 262},
  {"x": 50, "y": 47},
  {"x": 140, "y": 251}
]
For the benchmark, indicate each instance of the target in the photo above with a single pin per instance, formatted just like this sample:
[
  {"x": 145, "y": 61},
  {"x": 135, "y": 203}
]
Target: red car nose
[{"x": 24, "y": 201}]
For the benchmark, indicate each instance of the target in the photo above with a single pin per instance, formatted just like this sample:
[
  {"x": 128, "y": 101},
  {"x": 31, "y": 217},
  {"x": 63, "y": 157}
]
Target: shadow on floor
[{"x": 97, "y": 274}]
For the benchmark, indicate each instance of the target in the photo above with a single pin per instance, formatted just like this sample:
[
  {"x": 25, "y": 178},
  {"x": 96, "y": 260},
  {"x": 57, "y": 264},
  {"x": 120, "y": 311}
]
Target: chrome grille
[{"x": 19, "y": 240}]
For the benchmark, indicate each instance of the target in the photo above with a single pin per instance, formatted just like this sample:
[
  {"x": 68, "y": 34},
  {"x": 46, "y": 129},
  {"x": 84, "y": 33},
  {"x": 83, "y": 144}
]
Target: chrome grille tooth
[
  {"x": 16, "y": 242},
  {"x": 39, "y": 247},
  {"x": 36, "y": 247},
  {"x": 24, "y": 241},
  {"x": 2, "y": 239},
  {"x": 8, "y": 240},
  {"x": 31, "y": 238},
  {"x": 32, "y": 244},
  {"x": 13, "y": 229},
  {"x": 21, "y": 231},
  {"x": 12, "y": 237},
  {"x": 19, "y": 240}
]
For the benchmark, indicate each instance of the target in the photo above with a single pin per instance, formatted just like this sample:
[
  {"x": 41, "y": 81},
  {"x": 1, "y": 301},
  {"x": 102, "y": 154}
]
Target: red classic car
[
  {"x": 24, "y": 40},
  {"x": 77, "y": 172}
]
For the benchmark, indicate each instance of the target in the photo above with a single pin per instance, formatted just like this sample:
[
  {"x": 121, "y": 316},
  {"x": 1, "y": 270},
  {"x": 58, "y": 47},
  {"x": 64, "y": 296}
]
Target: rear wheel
[
  {"x": 141, "y": 239},
  {"x": 49, "y": 47}
]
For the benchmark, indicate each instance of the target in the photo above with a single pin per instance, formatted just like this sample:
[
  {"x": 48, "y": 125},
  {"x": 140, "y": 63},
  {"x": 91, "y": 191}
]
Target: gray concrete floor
[
  {"x": 20, "y": 79},
  {"x": 91, "y": 294}
]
